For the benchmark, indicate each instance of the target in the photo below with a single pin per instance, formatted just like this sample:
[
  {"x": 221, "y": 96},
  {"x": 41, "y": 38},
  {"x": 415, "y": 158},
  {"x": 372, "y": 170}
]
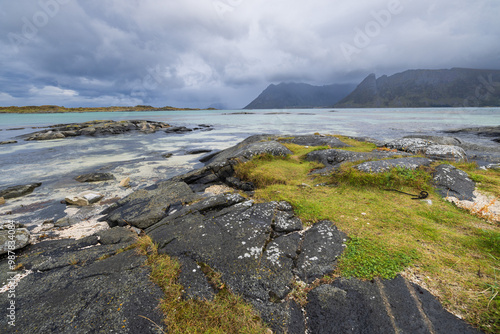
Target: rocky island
[{"x": 284, "y": 234}]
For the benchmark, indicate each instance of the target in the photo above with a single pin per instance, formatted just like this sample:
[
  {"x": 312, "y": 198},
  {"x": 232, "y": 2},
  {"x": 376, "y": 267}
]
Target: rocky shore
[{"x": 261, "y": 249}]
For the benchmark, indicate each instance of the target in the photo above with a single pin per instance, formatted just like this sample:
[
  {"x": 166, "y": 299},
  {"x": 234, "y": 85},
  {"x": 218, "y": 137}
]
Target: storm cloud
[{"x": 197, "y": 53}]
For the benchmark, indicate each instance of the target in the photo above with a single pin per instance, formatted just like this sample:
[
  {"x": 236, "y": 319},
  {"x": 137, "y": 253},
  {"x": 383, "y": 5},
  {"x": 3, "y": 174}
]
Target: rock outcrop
[{"x": 18, "y": 191}]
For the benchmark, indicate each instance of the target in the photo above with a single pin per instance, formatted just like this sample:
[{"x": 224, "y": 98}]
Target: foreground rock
[
  {"x": 386, "y": 165},
  {"x": 84, "y": 286},
  {"x": 18, "y": 191},
  {"x": 107, "y": 127}
]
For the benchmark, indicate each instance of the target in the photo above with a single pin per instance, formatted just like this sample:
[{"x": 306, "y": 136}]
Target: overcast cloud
[{"x": 195, "y": 53}]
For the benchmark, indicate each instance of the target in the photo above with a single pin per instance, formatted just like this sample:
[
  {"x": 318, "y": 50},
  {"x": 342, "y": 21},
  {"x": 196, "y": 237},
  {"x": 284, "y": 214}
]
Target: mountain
[
  {"x": 456, "y": 87},
  {"x": 300, "y": 95}
]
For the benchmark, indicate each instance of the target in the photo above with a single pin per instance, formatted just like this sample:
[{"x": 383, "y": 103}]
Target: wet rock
[
  {"x": 148, "y": 206},
  {"x": 198, "y": 151},
  {"x": 453, "y": 182},
  {"x": 8, "y": 142},
  {"x": 378, "y": 306},
  {"x": 385, "y": 165},
  {"x": 167, "y": 155},
  {"x": 13, "y": 237},
  {"x": 178, "y": 129},
  {"x": 445, "y": 152},
  {"x": 95, "y": 177},
  {"x": 18, "y": 191},
  {"x": 321, "y": 246},
  {"x": 66, "y": 221}
]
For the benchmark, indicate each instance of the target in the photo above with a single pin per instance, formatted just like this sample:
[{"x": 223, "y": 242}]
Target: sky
[{"x": 223, "y": 53}]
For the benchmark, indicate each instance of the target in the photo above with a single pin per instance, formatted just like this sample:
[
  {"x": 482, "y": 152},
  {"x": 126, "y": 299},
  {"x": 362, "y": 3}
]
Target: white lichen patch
[
  {"x": 273, "y": 255},
  {"x": 484, "y": 206}
]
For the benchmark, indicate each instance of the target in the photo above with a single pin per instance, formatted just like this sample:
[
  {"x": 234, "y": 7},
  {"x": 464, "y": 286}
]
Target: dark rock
[
  {"x": 194, "y": 281},
  {"x": 95, "y": 177},
  {"x": 19, "y": 191},
  {"x": 8, "y": 142},
  {"x": 378, "y": 306},
  {"x": 198, "y": 151},
  {"x": 334, "y": 158},
  {"x": 315, "y": 140},
  {"x": 116, "y": 235},
  {"x": 385, "y": 165},
  {"x": 167, "y": 155},
  {"x": 177, "y": 129},
  {"x": 253, "y": 145},
  {"x": 454, "y": 182},
  {"x": 148, "y": 206},
  {"x": 236, "y": 240},
  {"x": 321, "y": 246},
  {"x": 80, "y": 294},
  {"x": 286, "y": 317}
]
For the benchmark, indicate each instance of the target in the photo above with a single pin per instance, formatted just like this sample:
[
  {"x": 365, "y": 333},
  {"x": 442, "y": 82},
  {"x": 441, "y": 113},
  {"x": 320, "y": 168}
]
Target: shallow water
[{"x": 139, "y": 156}]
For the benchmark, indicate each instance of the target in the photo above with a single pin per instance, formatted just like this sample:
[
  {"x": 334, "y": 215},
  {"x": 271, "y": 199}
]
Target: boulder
[
  {"x": 13, "y": 237},
  {"x": 84, "y": 199},
  {"x": 386, "y": 165},
  {"x": 18, "y": 191},
  {"x": 125, "y": 182},
  {"x": 95, "y": 177},
  {"x": 453, "y": 182},
  {"x": 445, "y": 152},
  {"x": 411, "y": 145},
  {"x": 148, "y": 206}
]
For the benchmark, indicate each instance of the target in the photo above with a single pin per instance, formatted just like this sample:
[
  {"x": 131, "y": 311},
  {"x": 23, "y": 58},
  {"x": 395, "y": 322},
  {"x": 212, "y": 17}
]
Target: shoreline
[{"x": 50, "y": 109}]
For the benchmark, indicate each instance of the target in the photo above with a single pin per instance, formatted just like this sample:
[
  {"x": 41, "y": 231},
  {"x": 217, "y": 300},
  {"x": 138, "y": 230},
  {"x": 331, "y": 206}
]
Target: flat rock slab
[
  {"x": 453, "y": 182},
  {"x": 438, "y": 149},
  {"x": 314, "y": 140},
  {"x": 8, "y": 142},
  {"x": 95, "y": 177},
  {"x": 80, "y": 293},
  {"x": 386, "y": 165},
  {"x": 97, "y": 128},
  {"x": 19, "y": 191},
  {"x": 333, "y": 158},
  {"x": 148, "y": 206},
  {"x": 378, "y": 307}
]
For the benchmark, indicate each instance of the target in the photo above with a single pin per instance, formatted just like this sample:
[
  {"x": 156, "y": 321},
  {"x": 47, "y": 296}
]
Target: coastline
[{"x": 51, "y": 109}]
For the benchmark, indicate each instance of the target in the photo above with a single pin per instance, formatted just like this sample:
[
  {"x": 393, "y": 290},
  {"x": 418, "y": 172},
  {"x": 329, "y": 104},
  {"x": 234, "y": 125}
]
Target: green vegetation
[
  {"x": 226, "y": 313},
  {"x": 57, "y": 109},
  {"x": 447, "y": 250}
]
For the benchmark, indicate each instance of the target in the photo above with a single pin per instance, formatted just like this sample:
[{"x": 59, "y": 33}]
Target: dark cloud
[{"x": 196, "y": 53}]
